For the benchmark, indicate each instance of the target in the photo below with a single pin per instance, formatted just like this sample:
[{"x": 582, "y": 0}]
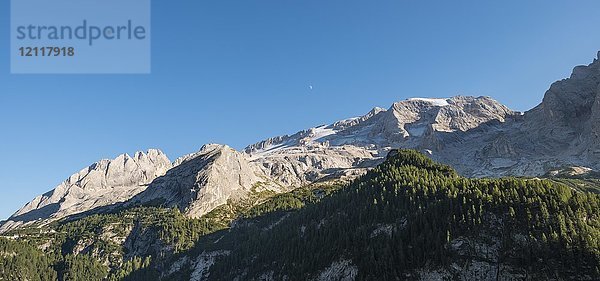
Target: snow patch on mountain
[{"x": 433, "y": 101}]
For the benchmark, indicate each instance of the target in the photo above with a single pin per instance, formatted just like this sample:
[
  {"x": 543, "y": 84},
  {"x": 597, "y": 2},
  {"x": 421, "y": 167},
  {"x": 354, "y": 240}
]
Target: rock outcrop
[
  {"x": 478, "y": 136},
  {"x": 201, "y": 181},
  {"x": 103, "y": 183},
  {"x": 560, "y": 132},
  {"x": 349, "y": 146}
]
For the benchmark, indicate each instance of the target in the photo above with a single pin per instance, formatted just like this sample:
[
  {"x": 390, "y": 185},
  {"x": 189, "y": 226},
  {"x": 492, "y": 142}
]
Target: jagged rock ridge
[
  {"x": 101, "y": 184},
  {"x": 201, "y": 181},
  {"x": 477, "y": 135}
]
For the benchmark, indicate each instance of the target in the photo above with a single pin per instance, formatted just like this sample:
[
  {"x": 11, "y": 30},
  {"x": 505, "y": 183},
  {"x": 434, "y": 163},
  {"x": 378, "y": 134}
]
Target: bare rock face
[
  {"x": 204, "y": 180},
  {"x": 350, "y": 146},
  {"x": 405, "y": 123},
  {"x": 561, "y": 131},
  {"x": 478, "y": 136},
  {"x": 101, "y": 184},
  {"x": 201, "y": 181}
]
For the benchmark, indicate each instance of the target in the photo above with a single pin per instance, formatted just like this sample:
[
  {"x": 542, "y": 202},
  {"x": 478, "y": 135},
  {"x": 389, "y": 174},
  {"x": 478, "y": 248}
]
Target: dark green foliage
[
  {"x": 291, "y": 200},
  {"x": 427, "y": 205},
  {"x": 20, "y": 261},
  {"x": 82, "y": 267},
  {"x": 170, "y": 225},
  {"x": 583, "y": 185},
  {"x": 401, "y": 216},
  {"x": 134, "y": 269},
  {"x": 79, "y": 249}
]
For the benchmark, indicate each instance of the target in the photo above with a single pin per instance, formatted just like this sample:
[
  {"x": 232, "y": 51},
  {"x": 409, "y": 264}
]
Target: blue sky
[{"x": 236, "y": 72}]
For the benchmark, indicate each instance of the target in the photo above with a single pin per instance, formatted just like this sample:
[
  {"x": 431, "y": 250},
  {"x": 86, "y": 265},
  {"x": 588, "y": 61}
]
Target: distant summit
[
  {"x": 103, "y": 183},
  {"x": 476, "y": 135}
]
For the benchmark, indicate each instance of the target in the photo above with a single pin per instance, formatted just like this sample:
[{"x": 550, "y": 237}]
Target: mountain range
[{"x": 477, "y": 136}]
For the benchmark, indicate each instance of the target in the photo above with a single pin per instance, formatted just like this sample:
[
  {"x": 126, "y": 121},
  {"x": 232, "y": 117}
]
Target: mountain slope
[
  {"x": 349, "y": 145},
  {"x": 560, "y": 132},
  {"x": 101, "y": 184},
  {"x": 409, "y": 219},
  {"x": 199, "y": 182},
  {"x": 204, "y": 180},
  {"x": 478, "y": 136}
]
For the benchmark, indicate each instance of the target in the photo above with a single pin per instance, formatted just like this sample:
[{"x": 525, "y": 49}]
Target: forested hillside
[
  {"x": 411, "y": 217},
  {"x": 100, "y": 247},
  {"x": 408, "y": 218}
]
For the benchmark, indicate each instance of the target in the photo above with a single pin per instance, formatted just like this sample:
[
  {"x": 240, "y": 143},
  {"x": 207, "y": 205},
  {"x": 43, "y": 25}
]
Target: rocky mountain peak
[
  {"x": 567, "y": 121},
  {"x": 201, "y": 181},
  {"x": 206, "y": 148},
  {"x": 477, "y": 135},
  {"x": 103, "y": 183},
  {"x": 417, "y": 116},
  {"x": 569, "y": 102},
  {"x": 151, "y": 155}
]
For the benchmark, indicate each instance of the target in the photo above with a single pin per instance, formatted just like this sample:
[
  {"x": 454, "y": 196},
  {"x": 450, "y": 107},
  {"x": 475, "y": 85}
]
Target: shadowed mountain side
[
  {"x": 37, "y": 214},
  {"x": 204, "y": 180}
]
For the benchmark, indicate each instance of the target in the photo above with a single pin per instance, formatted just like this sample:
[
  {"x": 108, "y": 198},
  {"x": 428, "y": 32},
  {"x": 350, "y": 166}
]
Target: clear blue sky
[{"x": 236, "y": 72}]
